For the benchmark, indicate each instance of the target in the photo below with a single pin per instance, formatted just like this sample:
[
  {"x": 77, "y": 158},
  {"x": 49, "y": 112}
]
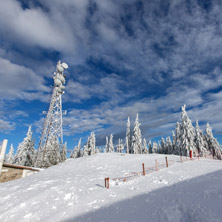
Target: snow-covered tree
[
  {"x": 63, "y": 152},
  {"x": 177, "y": 149},
  {"x": 107, "y": 144},
  {"x": 111, "y": 147},
  {"x": 128, "y": 136},
  {"x": 91, "y": 144},
  {"x": 85, "y": 151},
  {"x": 77, "y": 150},
  {"x": 10, "y": 158},
  {"x": 218, "y": 153},
  {"x": 25, "y": 152},
  {"x": 150, "y": 147},
  {"x": 186, "y": 135},
  {"x": 174, "y": 141},
  {"x": 155, "y": 148},
  {"x": 212, "y": 143},
  {"x": 136, "y": 142},
  {"x": 162, "y": 147},
  {"x": 52, "y": 156},
  {"x": 120, "y": 147},
  {"x": 145, "y": 148},
  {"x": 169, "y": 147},
  {"x": 200, "y": 141}
]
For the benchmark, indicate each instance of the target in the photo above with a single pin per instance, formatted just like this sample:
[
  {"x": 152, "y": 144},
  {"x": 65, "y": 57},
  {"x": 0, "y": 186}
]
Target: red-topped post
[
  {"x": 143, "y": 170},
  {"x": 190, "y": 154}
]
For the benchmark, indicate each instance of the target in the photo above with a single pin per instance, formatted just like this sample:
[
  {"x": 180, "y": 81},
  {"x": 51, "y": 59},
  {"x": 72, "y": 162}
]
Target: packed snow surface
[{"x": 74, "y": 191}]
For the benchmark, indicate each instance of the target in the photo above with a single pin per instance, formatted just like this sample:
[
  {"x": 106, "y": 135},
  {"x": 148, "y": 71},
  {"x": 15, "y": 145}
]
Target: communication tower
[{"x": 51, "y": 140}]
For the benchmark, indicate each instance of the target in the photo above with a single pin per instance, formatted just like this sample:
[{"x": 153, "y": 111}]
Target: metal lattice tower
[{"x": 51, "y": 139}]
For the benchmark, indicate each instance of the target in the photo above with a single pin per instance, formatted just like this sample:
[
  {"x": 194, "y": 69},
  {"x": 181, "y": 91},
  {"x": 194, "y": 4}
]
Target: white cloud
[
  {"x": 33, "y": 27},
  {"x": 6, "y": 126},
  {"x": 19, "y": 82}
]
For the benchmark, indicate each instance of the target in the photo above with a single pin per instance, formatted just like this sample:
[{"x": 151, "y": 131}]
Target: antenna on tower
[{"x": 51, "y": 140}]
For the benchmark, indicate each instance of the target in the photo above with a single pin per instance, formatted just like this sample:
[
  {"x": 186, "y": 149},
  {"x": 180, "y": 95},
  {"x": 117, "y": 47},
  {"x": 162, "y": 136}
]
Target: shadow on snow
[{"x": 195, "y": 200}]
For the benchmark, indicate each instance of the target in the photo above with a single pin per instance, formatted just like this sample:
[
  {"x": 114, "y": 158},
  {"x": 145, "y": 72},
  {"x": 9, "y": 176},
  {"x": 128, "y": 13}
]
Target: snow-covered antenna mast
[{"x": 52, "y": 129}]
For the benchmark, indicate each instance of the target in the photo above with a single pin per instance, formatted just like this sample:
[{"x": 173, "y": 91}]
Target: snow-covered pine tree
[
  {"x": 213, "y": 145},
  {"x": 218, "y": 153},
  {"x": 200, "y": 141},
  {"x": 128, "y": 137},
  {"x": 136, "y": 142},
  {"x": 107, "y": 144},
  {"x": 169, "y": 147},
  {"x": 150, "y": 147},
  {"x": 90, "y": 145},
  {"x": 174, "y": 142},
  {"x": 155, "y": 148},
  {"x": 25, "y": 152},
  {"x": 77, "y": 150},
  {"x": 63, "y": 152},
  {"x": 85, "y": 151},
  {"x": 52, "y": 156},
  {"x": 93, "y": 143},
  {"x": 159, "y": 149},
  {"x": 177, "y": 149},
  {"x": 145, "y": 148},
  {"x": 186, "y": 135},
  {"x": 162, "y": 146},
  {"x": 111, "y": 147},
  {"x": 10, "y": 158}
]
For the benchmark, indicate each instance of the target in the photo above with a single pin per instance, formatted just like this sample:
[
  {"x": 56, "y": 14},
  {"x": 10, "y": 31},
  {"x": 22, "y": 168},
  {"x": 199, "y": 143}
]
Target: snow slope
[{"x": 74, "y": 191}]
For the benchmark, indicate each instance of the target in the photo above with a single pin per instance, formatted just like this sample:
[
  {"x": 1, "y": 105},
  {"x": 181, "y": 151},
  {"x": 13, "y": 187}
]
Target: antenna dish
[
  {"x": 60, "y": 68},
  {"x": 65, "y": 66}
]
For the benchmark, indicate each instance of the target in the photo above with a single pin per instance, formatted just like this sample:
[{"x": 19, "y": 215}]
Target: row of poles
[{"x": 144, "y": 171}]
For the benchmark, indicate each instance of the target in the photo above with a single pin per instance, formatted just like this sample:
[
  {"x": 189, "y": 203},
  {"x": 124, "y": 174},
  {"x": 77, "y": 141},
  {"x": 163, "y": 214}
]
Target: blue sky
[{"x": 124, "y": 57}]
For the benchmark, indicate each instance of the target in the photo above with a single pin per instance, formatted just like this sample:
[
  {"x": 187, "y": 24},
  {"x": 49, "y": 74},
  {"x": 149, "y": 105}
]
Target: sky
[{"x": 125, "y": 57}]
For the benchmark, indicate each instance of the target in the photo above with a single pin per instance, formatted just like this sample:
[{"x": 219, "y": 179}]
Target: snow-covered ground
[{"x": 74, "y": 191}]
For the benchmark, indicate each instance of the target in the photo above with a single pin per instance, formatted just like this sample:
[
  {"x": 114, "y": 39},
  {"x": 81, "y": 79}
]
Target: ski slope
[{"x": 74, "y": 191}]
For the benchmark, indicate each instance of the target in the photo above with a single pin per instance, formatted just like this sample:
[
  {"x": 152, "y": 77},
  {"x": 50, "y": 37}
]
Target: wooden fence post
[
  {"x": 2, "y": 153},
  {"x": 105, "y": 182},
  {"x": 108, "y": 183},
  {"x": 166, "y": 161},
  {"x": 156, "y": 165},
  {"x": 143, "y": 170},
  {"x": 191, "y": 154}
]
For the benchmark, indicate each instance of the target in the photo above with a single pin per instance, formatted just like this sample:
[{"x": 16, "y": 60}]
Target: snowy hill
[{"x": 74, "y": 191}]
